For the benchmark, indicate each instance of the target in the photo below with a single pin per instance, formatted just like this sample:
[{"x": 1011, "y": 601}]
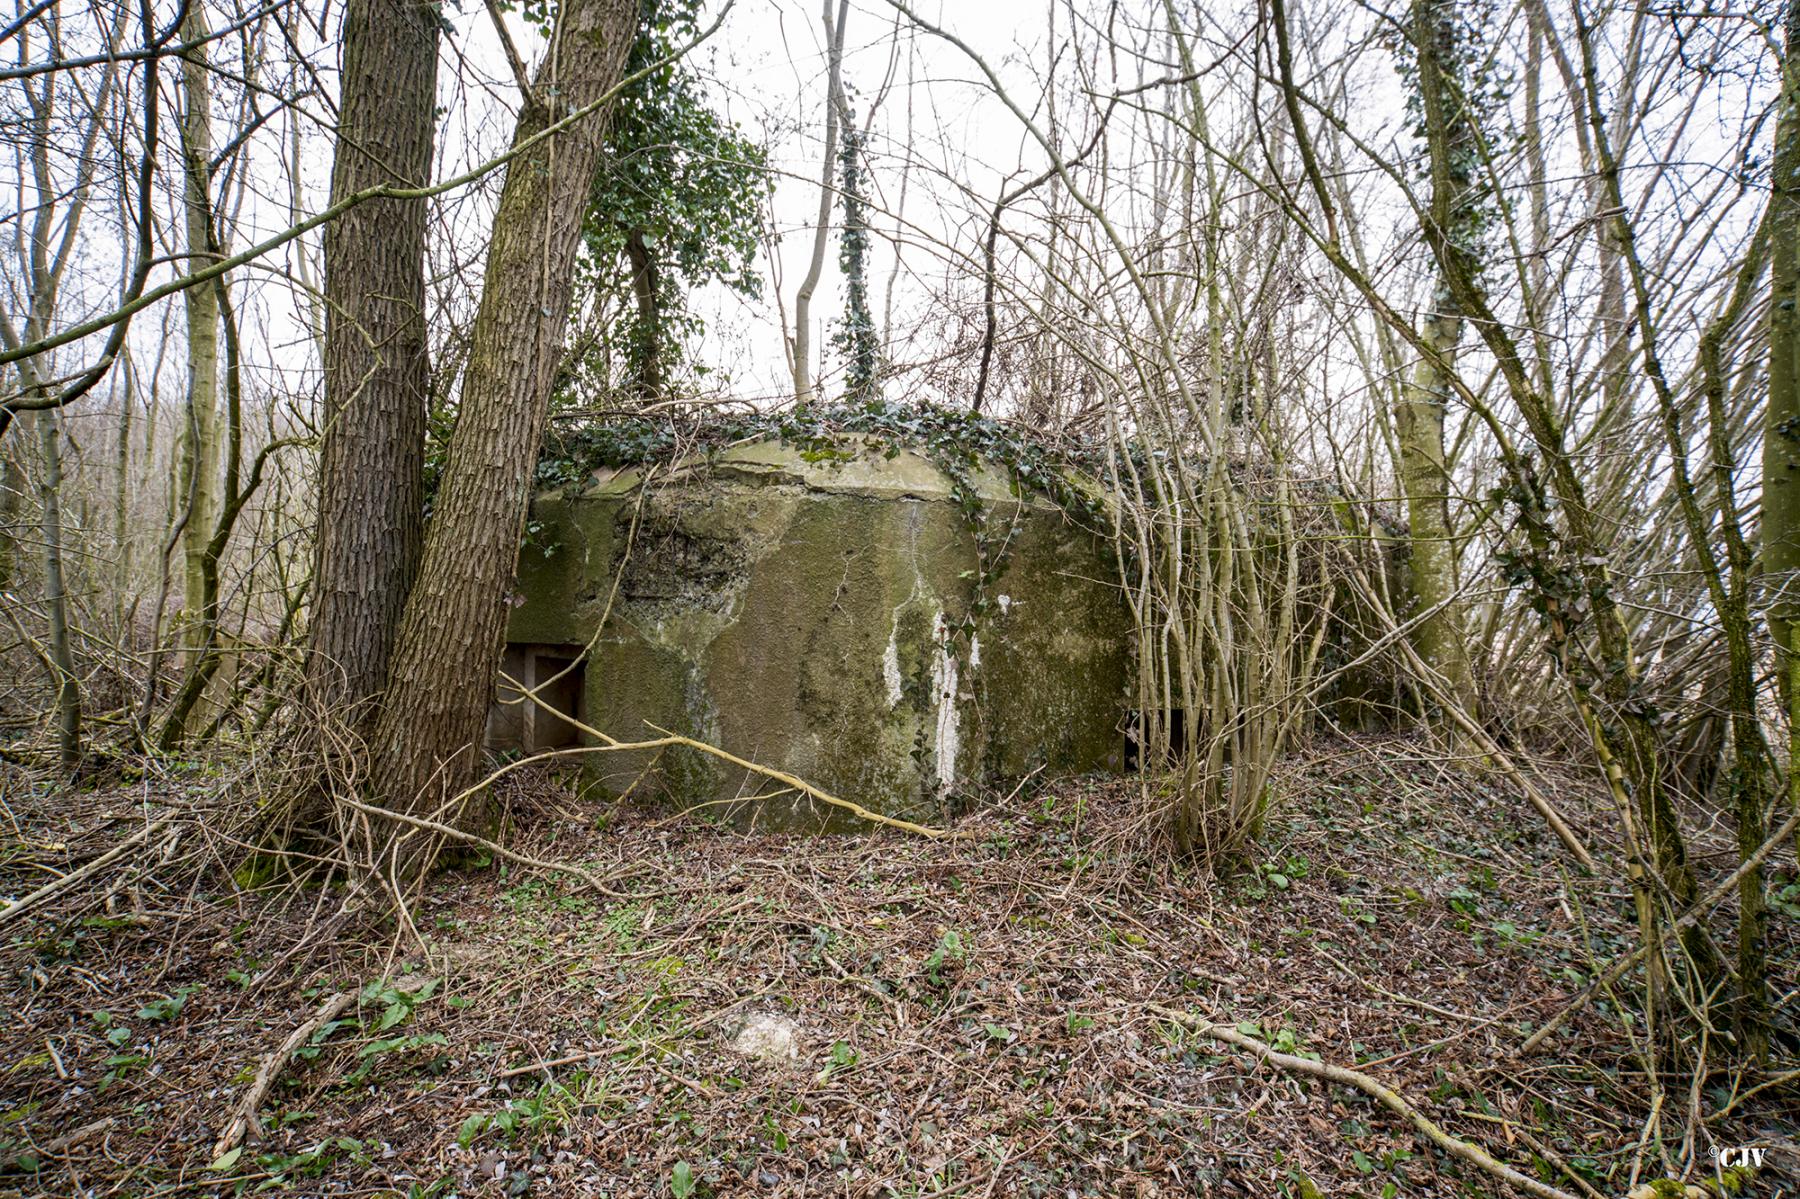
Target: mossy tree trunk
[
  {"x": 56, "y": 593},
  {"x": 448, "y": 650},
  {"x": 12, "y": 493},
  {"x": 1419, "y": 418},
  {"x": 122, "y": 541},
  {"x": 1781, "y": 427},
  {"x": 377, "y": 381},
  {"x": 1425, "y": 482},
  {"x": 1569, "y": 563},
  {"x": 236, "y": 494},
  {"x": 197, "y": 461},
  {"x": 1751, "y": 773},
  {"x": 1716, "y": 539}
]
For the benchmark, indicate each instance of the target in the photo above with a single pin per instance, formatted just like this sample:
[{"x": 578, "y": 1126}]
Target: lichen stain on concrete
[
  {"x": 798, "y": 612},
  {"x": 890, "y": 665},
  {"x": 890, "y": 658},
  {"x": 949, "y": 724}
]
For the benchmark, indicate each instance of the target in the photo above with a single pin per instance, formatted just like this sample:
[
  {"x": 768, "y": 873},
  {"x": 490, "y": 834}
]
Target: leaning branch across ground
[
  {"x": 1625, "y": 962},
  {"x": 609, "y": 744},
  {"x": 1466, "y": 1151},
  {"x": 799, "y": 784}
]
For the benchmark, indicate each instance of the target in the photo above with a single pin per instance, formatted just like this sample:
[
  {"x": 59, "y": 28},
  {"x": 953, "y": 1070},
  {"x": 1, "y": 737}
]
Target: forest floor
[{"x": 971, "y": 1017}]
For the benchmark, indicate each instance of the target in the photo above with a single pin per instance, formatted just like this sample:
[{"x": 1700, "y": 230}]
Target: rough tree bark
[
  {"x": 377, "y": 378},
  {"x": 448, "y": 650}
]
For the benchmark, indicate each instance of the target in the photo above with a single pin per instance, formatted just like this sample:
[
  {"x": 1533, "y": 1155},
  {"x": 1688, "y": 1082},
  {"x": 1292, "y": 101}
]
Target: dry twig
[
  {"x": 493, "y": 847},
  {"x": 1620, "y": 965},
  {"x": 49, "y": 890},
  {"x": 1466, "y": 1151},
  {"x": 243, "y": 1119}
]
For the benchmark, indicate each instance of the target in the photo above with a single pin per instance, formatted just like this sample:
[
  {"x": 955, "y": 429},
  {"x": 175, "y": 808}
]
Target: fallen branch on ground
[
  {"x": 1550, "y": 1155},
  {"x": 1784, "y": 1079},
  {"x": 87, "y": 1132},
  {"x": 143, "y": 836},
  {"x": 1466, "y": 1151},
  {"x": 243, "y": 1119}
]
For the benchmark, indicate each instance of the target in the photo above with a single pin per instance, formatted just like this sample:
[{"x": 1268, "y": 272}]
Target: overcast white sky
[{"x": 767, "y": 69}]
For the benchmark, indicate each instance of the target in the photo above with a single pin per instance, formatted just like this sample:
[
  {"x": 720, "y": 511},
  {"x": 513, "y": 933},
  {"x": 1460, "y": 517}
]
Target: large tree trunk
[
  {"x": 448, "y": 650},
  {"x": 198, "y": 460},
  {"x": 377, "y": 379},
  {"x": 1780, "y": 513}
]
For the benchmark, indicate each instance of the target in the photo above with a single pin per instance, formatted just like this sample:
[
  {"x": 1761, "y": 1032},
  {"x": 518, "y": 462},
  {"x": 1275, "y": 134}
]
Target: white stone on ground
[{"x": 767, "y": 1037}]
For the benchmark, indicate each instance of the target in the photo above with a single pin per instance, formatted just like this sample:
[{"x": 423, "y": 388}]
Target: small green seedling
[
  {"x": 169, "y": 1007},
  {"x": 949, "y": 949}
]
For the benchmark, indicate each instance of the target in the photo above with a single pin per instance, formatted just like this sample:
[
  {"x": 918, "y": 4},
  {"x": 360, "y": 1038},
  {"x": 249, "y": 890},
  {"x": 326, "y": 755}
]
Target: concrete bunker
[{"x": 823, "y": 613}]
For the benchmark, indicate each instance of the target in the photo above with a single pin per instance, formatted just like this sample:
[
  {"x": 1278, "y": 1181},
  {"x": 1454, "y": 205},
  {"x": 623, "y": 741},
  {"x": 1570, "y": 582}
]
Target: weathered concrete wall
[{"x": 796, "y": 614}]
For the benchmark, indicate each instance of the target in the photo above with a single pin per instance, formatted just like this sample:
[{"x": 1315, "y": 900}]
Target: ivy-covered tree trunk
[
  {"x": 1626, "y": 733},
  {"x": 377, "y": 381},
  {"x": 1419, "y": 417},
  {"x": 677, "y": 206},
  {"x": 448, "y": 651},
  {"x": 859, "y": 340}
]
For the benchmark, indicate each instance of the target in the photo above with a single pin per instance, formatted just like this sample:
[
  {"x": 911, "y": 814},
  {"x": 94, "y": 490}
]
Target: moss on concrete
[{"x": 801, "y": 610}]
